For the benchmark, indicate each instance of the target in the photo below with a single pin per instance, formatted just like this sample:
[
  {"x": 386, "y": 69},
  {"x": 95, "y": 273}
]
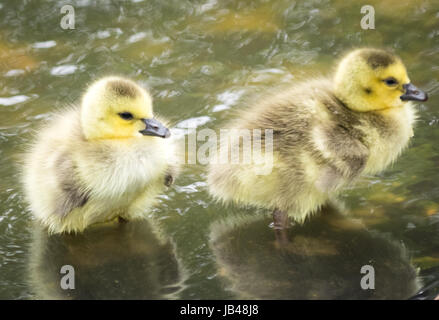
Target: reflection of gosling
[
  {"x": 326, "y": 133},
  {"x": 110, "y": 261},
  {"x": 104, "y": 160},
  {"x": 321, "y": 260}
]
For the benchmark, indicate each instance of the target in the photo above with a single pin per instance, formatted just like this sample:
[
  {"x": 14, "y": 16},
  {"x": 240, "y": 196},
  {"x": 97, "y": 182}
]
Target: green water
[{"x": 201, "y": 59}]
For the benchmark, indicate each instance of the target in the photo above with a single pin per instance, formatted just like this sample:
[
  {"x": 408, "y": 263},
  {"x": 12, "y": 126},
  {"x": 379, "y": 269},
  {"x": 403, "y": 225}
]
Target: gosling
[
  {"x": 326, "y": 133},
  {"x": 108, "y": 158}
]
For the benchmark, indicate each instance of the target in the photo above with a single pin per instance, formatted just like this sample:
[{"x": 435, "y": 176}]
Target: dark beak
[
  {"x": 155, "y": 128},
  {"x": 413, "y": 93}
]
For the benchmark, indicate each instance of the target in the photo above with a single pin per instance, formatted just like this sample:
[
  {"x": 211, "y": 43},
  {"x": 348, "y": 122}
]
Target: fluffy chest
[
  {"x": 123, "y": 169},
  {"x": 387, "y": 134}
]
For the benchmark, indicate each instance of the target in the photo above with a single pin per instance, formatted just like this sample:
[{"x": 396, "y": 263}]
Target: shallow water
[{"x": 202, "y": 60}]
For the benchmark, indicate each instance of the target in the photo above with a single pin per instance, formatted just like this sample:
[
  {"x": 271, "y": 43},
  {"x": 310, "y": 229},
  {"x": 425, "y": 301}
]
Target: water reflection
[
  {"x": 322, "y": 260},
  {"x": 112, "y": 261}
]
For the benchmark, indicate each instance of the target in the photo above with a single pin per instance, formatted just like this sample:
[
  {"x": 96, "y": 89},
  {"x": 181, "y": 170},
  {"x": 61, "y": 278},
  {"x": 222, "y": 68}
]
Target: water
[{"x": 202, "y": 60}]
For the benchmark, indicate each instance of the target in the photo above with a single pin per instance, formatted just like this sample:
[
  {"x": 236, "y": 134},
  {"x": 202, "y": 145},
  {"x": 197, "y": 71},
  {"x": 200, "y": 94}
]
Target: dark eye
[
  {"x": 126, "y": 115},
  {"x": 391, "y": 81}
]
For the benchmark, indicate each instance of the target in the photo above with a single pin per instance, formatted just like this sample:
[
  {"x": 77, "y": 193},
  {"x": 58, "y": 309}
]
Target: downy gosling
[
  {"x": 326, "y": 133},
  {"x": 108, "y": 158}
]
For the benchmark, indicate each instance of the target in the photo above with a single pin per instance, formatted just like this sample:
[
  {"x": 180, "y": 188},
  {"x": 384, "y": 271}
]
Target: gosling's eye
[
  {"x": 126, "y": 115},
  {"x": 391, "y": 81}
]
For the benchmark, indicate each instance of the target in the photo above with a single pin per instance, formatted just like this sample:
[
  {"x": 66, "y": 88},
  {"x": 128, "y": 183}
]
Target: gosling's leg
[{"x": 280, "y": 225}]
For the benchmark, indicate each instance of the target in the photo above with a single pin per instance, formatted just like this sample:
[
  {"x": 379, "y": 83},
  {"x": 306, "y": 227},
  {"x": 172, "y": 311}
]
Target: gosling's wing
[
  {"x": 341, "y": 148},
  {"x": 72, "y": 195}
]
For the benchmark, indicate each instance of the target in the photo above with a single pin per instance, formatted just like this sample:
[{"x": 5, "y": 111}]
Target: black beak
[
  {"x": 155, "y": 128},
  {"x": 413, "y": 93}
]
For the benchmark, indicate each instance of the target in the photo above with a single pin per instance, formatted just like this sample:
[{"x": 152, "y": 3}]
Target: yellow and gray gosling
[
  {"x": 326, "y": 133},
  {"x": 102, "y": 160}
]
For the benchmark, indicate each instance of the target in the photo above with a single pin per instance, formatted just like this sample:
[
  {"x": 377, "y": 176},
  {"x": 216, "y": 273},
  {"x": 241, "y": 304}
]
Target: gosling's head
[
  {"x": 373, "y": 79},
  {"x": 117, "y": 108}
]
